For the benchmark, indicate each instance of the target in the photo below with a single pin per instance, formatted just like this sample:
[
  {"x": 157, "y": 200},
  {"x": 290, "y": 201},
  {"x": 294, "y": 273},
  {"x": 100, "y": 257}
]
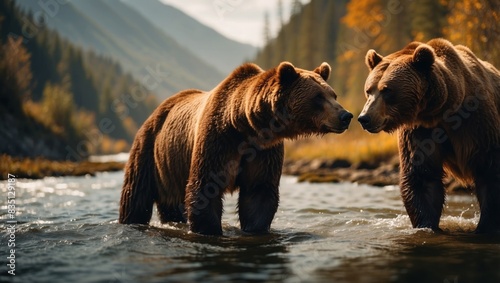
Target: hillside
[
  {"x": 114, "y": 29},
  {"x": 217, "y": 50},
  {"x": 57, "y": 99}
]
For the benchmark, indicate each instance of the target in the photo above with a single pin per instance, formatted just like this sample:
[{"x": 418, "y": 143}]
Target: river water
[{"x": 67, "y": 231}]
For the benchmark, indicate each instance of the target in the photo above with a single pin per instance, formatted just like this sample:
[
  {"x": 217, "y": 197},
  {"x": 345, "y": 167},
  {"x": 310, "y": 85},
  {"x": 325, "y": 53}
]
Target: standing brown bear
[
  {"x": 198, "y": 145},
  {"x": 445, "y": 103}
]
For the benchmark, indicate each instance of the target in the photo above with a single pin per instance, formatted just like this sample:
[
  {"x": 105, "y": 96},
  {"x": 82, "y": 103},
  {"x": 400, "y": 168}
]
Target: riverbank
[
  {"x": 38, "y": 168},
  {"x": 380, "y": 173}
]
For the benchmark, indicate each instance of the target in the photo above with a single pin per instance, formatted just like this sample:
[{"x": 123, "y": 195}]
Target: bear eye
[
  {"x": 387, "y": 94},
  {"x": 318, "y": 99},
  {"x": 384, "y": 89}
]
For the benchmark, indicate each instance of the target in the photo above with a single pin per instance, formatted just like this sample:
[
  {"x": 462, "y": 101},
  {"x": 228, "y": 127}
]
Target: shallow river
[{"x": 67, "y": 231}]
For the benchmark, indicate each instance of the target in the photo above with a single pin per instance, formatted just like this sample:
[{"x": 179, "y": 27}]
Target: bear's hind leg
[
  {"x": 136, "y": 206},
  {"x": 488, "y": 195},
  {"x": 139, "y": 192},
  {"x": 171, "y": 213}
]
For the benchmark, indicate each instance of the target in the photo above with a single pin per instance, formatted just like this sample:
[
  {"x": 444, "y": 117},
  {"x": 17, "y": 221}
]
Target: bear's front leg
[
  {"x": 214, "y": 167},
  {"x": 204, "y": 204},
  {"x": 421, "y": 174},
  {"x": 487, "y": 181},
  {"x": 259, "y": 195}
]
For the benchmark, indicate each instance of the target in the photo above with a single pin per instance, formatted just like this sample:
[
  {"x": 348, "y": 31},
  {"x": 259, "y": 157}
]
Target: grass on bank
[
  {"x": 355, "y": 145},
  {"x": 38, "y": 168}
]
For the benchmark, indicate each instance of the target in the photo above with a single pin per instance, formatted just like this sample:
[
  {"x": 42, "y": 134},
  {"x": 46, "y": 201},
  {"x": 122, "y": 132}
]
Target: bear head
[
  {"x": 396, "y": 87},
  {"x": 306, "y": 104}
]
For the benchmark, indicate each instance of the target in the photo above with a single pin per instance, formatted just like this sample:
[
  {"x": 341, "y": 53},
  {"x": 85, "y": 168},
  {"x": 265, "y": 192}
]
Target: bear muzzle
[
  {"x": 345, "y": 119},
  {"x": 369, "y": 124},
  {"x": 340, "y": 124}
]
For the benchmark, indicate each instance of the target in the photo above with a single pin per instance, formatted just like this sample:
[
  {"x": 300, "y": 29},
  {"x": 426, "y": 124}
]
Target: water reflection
[
  {"x": 234, "y": 257},
  {"x": 424, "y": 256}
]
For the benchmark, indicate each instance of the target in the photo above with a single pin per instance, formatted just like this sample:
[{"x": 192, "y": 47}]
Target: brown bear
[
  {"x": 445, "y": 104},
  {"x": 198, "y": 145}
]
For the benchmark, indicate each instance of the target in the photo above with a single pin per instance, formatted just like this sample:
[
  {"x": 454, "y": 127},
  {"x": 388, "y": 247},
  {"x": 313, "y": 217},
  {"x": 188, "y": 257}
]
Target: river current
[{"x": 67, "y": 231}]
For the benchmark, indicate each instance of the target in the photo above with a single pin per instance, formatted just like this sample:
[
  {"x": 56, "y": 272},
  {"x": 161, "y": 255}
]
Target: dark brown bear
[
  {"x": 445, "y": 103},
  {"x": 198, "y": 145}
]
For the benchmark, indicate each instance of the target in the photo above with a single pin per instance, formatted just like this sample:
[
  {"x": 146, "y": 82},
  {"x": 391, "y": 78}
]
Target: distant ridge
[
  {"x": 112, "y": 28},
  {"x": 216, "y": 49}
]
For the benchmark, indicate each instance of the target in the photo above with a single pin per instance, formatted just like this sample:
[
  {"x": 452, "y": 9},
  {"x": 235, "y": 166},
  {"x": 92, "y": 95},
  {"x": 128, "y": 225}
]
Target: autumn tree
[
  {"x": 475, "y": 23},
  {"x": 428, "y": 19},
  {"x": 15, "y": 75}
]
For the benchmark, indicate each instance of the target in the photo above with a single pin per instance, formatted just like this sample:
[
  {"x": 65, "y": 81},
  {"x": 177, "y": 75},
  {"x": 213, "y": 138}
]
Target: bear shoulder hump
[
  {"x": 246, "y": 70},
  {"x": 443, "y": 47}
]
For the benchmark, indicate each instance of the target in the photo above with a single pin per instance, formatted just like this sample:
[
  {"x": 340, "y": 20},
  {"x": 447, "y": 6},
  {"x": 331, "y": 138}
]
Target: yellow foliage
[
  {"x": 111, "y": 146},
  {"x": 130, "y": 126},
  {"x": 361, "y": 13},
  {"x": 40, "y": 168},
  {"x": 475, "y": 23},
  {"x": 354, "y": 145}
]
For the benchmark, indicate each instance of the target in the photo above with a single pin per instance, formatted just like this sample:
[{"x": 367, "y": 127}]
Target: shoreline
[
  {"x": 39, "y": 168},
  {"x": 379, "y": 174}
]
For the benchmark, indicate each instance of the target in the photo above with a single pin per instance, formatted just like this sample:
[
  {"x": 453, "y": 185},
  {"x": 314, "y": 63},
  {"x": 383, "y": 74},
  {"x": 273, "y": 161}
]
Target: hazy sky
[{"x": 237, "y": 19}]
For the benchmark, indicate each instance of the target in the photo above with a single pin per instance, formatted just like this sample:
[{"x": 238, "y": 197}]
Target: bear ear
[
  {"x": 372, "y": 59},
  {"x": 323, "y": 70},
  {"x": 423, "y": 57},
  {"x": 287, "y": 72}
]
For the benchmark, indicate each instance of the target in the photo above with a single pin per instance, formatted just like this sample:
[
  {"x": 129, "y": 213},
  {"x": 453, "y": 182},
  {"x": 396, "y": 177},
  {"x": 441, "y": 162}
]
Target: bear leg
[
  {"x": 136, "y": 206},
  {"x": 259, "y": 195},
  {"x": 488, "y": 195},
  {"x": 421, "y": 182},
  {"x": 205, "y": 212},
  {"x": 257, "y": 205},
  {"x": 139, "y": 187},
  {"x": 423, "y": 200},
  {"x": 171, "y": 213}
]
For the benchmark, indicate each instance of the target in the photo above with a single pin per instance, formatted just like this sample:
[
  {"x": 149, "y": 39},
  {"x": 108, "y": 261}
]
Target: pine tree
[
  {"x": 280, "y": 14},
  {"x": 308, "y": 44},
  {"x": 428, "y": 19},
  {"x": 267, "y": 28},
  {"x": 296, "y": 7}
]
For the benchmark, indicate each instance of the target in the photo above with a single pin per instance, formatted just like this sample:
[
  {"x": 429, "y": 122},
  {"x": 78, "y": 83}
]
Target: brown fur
[
  {"x": 445, "y": 103},
  {"x": 198, "y": 145}
]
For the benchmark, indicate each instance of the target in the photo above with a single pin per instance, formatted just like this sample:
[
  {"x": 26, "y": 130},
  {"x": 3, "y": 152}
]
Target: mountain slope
[
  {"x": 216, "y": 49},
  {"x": 57, "y": 99},
  {"x": 114, "y": 29}
]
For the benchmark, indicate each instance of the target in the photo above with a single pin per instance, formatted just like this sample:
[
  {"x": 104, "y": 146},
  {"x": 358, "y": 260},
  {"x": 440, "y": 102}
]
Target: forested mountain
[
  {"x": 113, "y": 29},
  {"x": 341, "y": 32},
  {"x": 219, "y": 51},
  {"x": 56, "y": 98}
]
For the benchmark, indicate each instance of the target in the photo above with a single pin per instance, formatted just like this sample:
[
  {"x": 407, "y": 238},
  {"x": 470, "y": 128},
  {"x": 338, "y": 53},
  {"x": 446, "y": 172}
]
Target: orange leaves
[
  {"x": 475, "y": 23},
  {"x": 15, "y": 71},
  {"x": 361, "y": 12}
]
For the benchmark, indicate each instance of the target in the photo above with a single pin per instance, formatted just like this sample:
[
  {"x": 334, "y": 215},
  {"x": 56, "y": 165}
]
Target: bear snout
[
  {"x": 345, "y": 118},
  {"x": 337, "y": 123},
  {"x": 365, "y": 121},
  {"x": 373, "y": 124}
]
